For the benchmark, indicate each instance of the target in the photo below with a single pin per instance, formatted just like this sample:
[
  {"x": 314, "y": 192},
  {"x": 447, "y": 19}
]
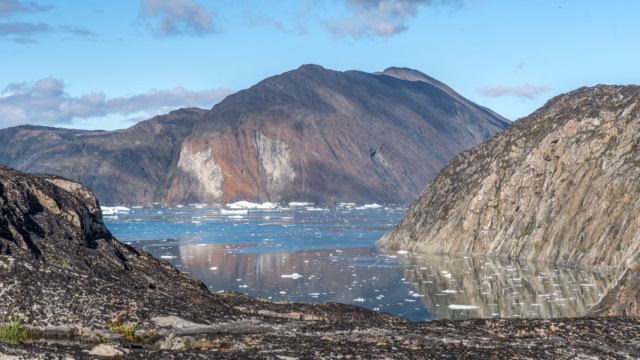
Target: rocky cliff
[
  {"x": 132, "y": 166},
  {"x": 560, "y": 185},
  {"x": 314, "y": 134},
  {"x": 84, "y": 295}
]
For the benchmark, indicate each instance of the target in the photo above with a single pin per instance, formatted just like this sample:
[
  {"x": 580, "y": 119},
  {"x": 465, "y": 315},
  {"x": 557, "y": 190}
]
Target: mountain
[
  {"x": 310, "y": 134},
  {"x": 133, "y": 166},
  {"x": 314, "y": 134},
  {"x": 560, "y": 185}
]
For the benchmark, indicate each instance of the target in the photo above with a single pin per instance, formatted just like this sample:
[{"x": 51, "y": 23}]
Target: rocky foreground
[{"x": 83, "y": 294}]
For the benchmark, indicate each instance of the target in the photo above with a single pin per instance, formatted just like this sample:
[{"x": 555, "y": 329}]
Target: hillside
[
  {"x": 314, "y": 134},
  {"x": 560, "y": 185},
  {"x": 132, "y": 166}
]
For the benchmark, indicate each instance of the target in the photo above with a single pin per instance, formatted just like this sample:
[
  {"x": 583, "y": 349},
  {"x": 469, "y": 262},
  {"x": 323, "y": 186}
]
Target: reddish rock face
[{"x": 319, "y": 135}]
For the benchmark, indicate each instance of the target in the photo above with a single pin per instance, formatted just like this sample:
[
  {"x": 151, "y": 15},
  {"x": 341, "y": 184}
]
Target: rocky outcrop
[
  {"x": 560, "y": 185},
  {"x": 314, "y": 134},
  {"x": 76, "y": 288},
  {"x": 130, "y": 166}
]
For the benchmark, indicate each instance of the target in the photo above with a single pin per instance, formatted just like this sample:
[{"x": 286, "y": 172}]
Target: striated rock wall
[
  {"x": 201, "y": 173},
  {"x": 560, "y": 185}
]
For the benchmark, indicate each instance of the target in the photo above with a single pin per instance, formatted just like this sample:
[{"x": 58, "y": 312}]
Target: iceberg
[
  {"x": 299, "y": 204},
  {"x": 114, "y": 210},
  {"x": 462, "y": 307},
  {"x": 292, "y": 276},
  {"x": 249, "y": 205},
  {"x": 233, "y": 212}
]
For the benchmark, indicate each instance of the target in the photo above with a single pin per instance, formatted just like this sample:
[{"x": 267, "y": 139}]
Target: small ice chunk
[
  {"x": 292, "y": 276},
  {"x": 462, "y": 307},
  {"x": 213, "y": 268}
]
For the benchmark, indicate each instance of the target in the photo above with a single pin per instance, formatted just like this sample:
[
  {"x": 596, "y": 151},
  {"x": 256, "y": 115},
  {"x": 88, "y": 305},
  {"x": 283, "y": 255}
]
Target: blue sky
[{"x": 106, "y": 65}]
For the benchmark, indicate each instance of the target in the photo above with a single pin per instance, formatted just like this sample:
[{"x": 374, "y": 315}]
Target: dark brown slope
[
  {"x": 314, "y": 134},
  {"x": 131, "y": 166},
  {"x": 63, "y": 274}
]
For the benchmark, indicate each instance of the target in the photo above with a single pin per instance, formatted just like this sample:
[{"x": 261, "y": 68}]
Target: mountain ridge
[
  {"x": 329, "y": 136},
  {"x": 309, "y": 134}
]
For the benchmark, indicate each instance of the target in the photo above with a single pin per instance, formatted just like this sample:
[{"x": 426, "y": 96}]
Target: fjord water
[{"x": 323, "y": 255}]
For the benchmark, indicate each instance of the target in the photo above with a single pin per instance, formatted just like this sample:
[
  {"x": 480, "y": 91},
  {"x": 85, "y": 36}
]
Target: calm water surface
[{"x": 330, "y": 255}]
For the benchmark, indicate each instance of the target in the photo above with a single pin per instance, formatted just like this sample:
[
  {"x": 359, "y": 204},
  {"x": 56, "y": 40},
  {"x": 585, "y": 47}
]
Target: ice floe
[
  {"x": 292, "y": 276},
  {"x": 249, "y": 205},
  {"x": 462, "y": 307}
]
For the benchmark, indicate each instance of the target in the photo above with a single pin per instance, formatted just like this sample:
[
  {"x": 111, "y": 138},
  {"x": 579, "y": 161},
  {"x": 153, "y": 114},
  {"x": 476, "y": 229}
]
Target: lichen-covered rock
[
  {"x": 60, "y": 268},
  {"x": 560, "y": 185}
]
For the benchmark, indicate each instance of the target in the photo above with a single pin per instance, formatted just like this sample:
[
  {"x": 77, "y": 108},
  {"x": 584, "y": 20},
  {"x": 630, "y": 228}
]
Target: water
[{"x": 321, "y": 256}]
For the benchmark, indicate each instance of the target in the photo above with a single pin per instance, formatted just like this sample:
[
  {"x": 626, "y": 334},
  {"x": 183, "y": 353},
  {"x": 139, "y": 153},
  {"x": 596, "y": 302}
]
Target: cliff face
[
  {"x": 133, "y": 166},
  {"x": 560, "y": 185},
  {"x": 319, "y": 135}
]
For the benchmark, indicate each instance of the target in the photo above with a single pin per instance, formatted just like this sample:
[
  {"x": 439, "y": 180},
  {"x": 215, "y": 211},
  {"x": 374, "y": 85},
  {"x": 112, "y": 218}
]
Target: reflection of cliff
[
  {"x": 501, "y": 287},
  {"x": 327, "y": 275}
]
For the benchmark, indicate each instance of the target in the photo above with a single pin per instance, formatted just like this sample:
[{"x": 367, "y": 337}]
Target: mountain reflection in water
[
  {"x": 416, "y": 286},
  {"x": 323, "y": 256}
]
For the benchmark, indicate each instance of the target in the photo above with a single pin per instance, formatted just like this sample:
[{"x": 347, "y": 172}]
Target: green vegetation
[
  {"x": 13, "y": 331},
  {"x": 128, "y": 330},
  {"x": 445, "y": 213}
]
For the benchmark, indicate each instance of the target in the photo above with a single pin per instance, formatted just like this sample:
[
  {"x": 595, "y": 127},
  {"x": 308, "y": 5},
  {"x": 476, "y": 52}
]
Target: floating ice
[
  {"x": 292, "y": 276},
  {"x": 213, "y": 268},
  {"x": 359, "y": 300},
  {"x": 249, "y": 205},
  {"x": 403, "y": 252},
  {"x": 449, "y": 291},
  {"x": 462, "y": 307},
  {"x": 229, "y": 212},
  {"x": 167, "y": 257},
  {"x": 114, "y": 210},
  {"x": 297, "y": 204}
]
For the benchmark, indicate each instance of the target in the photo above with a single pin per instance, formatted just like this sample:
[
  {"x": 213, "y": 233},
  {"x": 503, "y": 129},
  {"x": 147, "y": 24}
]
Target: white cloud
[
  {"x": 176, "y": 17},
  {"x": 382, "y": 18},
  {"x": 45, "y": 102},
  {"x": 10, "y": 7},
  {"x": 527, "y": 90}
]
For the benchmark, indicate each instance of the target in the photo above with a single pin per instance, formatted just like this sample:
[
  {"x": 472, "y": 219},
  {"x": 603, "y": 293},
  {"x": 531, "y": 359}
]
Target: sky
[{"x": 109, "y": 64}]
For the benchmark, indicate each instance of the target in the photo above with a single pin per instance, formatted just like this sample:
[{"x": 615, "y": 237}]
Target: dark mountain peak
[
  {"x": 406, "y": 74},
  {"x": 314, "y": 134}
]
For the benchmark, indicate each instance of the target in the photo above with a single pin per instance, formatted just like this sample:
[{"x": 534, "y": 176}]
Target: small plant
[
  {"x": 12, "y": 331},
  {"x": 128, "y": 330}
]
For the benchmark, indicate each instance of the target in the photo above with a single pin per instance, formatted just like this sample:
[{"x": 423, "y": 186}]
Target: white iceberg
[
  {"x": 249, "y": 205},
  {"x": 292, "y": 276},
  {"x": 299, "y": 204},
  {"x": 462, "y": 307},
  {"x": 114, "y": 210}
]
